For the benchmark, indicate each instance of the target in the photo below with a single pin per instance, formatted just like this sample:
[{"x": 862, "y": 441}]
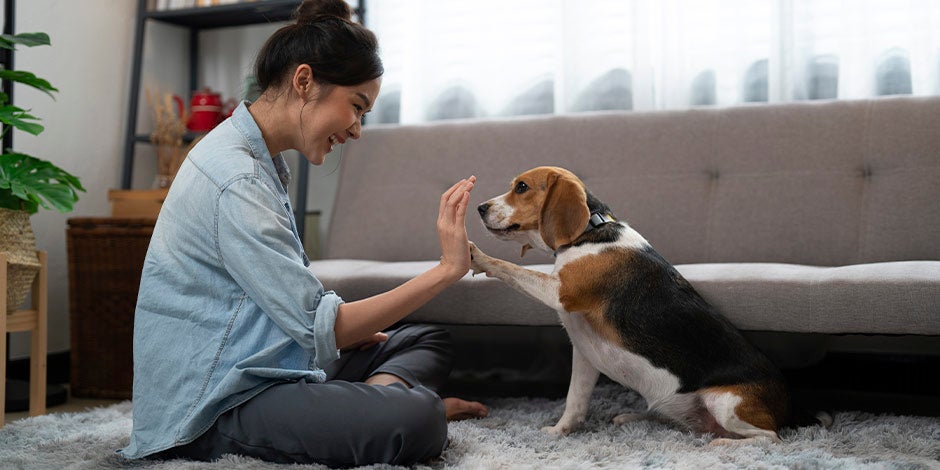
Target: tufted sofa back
[{"x": 817, "y": 183}]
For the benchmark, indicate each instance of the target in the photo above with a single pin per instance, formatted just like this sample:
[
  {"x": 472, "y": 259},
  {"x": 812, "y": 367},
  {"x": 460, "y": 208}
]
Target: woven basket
[
  {"x": 106, "y": 257},
  {"x": 19, "y": 242}
]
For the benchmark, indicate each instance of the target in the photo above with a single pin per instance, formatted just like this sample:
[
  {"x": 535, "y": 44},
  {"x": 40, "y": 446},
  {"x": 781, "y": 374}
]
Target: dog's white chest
[{"x": 620, "y": 365}]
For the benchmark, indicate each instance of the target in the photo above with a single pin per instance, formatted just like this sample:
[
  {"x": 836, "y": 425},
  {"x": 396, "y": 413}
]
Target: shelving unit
[
  {"x": 35, "y": 321},
  {"x": 196, "y": 20}
]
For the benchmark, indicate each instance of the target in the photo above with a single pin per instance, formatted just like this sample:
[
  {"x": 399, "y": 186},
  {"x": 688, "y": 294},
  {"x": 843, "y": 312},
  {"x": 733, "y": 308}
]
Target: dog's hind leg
[
  {"x": 625, "y": 418},
  {"x": 740, "y": 415},
  {"x": 583, "y": 379}
]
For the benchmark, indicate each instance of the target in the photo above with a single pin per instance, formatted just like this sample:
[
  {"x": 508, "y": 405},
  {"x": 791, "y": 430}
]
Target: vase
[
  {"x": 162, "y": 181},
  {"x": 18, "y": 241}
]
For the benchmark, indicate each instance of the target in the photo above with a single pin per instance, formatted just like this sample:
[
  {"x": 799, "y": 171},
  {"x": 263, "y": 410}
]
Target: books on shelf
[{"x": 159, "y": 5}]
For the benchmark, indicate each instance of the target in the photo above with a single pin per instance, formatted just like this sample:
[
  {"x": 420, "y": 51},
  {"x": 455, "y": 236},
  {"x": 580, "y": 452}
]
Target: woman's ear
[
  {"x": 302, "y": 82},
  {"x": 564, "y": 212}
]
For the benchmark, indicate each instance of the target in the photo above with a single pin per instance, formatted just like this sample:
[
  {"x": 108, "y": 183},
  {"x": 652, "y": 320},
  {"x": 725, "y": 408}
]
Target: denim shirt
[{"x": 226, "y": 306}]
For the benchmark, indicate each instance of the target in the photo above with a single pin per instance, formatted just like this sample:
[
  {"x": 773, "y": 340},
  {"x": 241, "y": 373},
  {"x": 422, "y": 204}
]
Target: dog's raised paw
[{"x": 476, "y": 256}]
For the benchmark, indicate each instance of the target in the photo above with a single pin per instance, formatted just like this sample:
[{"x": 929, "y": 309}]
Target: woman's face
[{"x": 334, "y": 117}]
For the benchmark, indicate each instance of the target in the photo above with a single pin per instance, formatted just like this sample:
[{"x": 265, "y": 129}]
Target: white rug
[{"x": 510, "y": 438}]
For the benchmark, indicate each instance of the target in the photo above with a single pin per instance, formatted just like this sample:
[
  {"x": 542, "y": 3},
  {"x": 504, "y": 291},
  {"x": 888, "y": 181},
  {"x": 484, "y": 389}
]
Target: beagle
[{"x": 631, "y": 316}]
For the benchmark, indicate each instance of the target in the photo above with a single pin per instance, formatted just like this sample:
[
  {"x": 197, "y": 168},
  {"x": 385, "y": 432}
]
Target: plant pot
[{"x": 19, "y": 242}]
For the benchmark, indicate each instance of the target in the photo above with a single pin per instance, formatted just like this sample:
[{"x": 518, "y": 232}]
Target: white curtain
[{"x": 460, "y": 59}]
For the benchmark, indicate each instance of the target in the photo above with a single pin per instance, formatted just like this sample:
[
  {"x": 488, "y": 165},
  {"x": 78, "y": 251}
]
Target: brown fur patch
[
  {"x": 565, "y": 212},
  {"x": 585, "y": 283},
  {"x": 761, "y": 404}
]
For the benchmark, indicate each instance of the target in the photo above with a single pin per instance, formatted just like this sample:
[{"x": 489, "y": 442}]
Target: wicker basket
[
  {"x": 19, "y": 242},
  {"x": 106, "y": 256}
]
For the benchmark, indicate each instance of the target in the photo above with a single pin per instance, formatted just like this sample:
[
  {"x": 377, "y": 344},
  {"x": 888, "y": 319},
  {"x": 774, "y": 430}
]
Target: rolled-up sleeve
[{"x": 258, "y": 248}]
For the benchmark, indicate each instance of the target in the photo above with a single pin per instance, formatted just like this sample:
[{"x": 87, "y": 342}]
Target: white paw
[
  {"x": 760, "y": 441},
  {"x": 628, "y": 418},
  {"x": 557, "y": 431},
  {"x": 475, "y": 268},
  {"x": 477, "y": 260}
]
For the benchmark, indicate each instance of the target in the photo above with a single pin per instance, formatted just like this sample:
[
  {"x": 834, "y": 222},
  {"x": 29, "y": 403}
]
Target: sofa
[{"x": 801, "y": 222}]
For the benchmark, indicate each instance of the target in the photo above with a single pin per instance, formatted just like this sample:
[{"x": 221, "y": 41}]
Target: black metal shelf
[
  {"x": 234, "y": 14},
  {"x": 195, "y": 19},
  {"x": 187, "y": 137},
  {"x": 244, "y": 13}
]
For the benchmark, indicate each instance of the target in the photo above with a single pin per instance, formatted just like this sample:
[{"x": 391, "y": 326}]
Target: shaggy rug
[{"x": 510, "y": 438}]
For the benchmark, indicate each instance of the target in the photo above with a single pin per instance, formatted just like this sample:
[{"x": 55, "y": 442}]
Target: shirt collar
[{"x": 246, "y": 125}]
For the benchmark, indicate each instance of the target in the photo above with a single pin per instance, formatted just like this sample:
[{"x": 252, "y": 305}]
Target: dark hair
[{"x": 338, "y": 50}]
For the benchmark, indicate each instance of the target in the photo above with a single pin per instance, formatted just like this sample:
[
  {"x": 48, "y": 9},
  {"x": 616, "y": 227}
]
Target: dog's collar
[
  {"x": 599, "y": 218},
  {"x": 595, "y": 220}
]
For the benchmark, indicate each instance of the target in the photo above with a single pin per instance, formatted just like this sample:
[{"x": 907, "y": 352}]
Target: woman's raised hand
[{"x": 452, "y": 228}]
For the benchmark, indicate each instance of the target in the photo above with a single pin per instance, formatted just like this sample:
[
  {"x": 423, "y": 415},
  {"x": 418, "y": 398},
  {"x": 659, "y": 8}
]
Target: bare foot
[{"x": 457, "y": 409}]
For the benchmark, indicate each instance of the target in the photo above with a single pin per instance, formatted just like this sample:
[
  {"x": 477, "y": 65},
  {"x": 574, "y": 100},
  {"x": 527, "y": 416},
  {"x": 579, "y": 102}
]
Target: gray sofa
[{"x": 814, "y": 218}]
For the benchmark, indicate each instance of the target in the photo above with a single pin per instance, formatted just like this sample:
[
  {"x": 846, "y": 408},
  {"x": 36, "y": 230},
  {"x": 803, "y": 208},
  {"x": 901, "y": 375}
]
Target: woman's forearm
[{"x": 358, "y": 320}]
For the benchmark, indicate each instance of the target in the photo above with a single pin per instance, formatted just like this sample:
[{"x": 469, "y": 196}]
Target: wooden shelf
[
  {"x": 233, "y": 14},
  {"x": 35, "y": 321}
]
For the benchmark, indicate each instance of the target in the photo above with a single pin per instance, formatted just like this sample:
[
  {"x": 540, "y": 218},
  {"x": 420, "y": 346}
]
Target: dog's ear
[{"x": 564, "y": 212}]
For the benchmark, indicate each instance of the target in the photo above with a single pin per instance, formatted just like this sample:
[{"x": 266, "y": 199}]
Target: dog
[{"x": 631, "y": 316}]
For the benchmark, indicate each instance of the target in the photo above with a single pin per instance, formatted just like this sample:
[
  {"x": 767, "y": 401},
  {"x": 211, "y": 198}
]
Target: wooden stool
[{"x": 34, "y": 321}]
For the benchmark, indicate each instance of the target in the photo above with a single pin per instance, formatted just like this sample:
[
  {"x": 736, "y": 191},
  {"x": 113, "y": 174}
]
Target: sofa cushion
[{"x": 879, "y": 298}]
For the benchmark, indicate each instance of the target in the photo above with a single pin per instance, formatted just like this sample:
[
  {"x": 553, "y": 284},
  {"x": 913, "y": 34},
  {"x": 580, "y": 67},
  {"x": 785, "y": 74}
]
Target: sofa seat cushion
[
  {"x": 474, "y": 300},
  {"x": 878, "y": 298}
]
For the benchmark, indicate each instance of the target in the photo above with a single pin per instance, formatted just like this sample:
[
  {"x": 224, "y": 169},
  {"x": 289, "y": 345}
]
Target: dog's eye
[{"x": 521, "y": 187}]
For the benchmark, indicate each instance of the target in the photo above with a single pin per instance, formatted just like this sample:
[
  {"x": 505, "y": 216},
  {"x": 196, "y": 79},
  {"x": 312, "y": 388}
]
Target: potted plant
[{"x": 26, "y": 183}]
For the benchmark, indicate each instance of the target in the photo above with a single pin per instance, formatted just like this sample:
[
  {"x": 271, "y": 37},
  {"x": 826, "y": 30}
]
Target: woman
[{"x": 235, "y": 341}]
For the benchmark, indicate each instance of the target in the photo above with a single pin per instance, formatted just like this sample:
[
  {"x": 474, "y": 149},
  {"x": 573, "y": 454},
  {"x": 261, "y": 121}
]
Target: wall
[{"x": 90, "y": 63}]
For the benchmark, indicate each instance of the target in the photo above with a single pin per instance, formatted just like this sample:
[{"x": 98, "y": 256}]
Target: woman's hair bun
[{"x": 310, "y": 10}]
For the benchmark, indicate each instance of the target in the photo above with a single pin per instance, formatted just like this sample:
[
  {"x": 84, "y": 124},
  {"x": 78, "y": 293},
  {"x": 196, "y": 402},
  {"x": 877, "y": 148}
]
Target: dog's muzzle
[{"x": 483, "y": 209}]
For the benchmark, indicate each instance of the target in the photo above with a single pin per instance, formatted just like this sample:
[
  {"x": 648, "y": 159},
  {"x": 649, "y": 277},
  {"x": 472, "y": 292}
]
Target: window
[
  {"x": 893, "y": 76},
  {"x": 612, "y": 90},
  {"x": 450, "y": 59}
]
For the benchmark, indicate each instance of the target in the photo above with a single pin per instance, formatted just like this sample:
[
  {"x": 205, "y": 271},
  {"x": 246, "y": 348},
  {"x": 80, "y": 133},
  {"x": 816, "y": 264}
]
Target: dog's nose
[{"x": 482, "y": 208}]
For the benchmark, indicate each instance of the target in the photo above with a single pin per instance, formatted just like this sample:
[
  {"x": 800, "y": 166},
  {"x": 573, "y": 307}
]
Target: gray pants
[{"x": 344, "y": 422}]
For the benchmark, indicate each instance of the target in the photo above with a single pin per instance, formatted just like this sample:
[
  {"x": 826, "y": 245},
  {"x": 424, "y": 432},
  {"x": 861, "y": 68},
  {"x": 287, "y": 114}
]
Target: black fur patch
[
  {"x": 606, "y": 233},
  {"x": 660, "y": 316}
]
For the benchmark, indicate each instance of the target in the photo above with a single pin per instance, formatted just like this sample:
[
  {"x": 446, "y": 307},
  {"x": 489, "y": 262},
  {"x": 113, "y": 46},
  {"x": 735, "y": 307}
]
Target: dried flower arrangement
[{"x": 169, "y": 128}]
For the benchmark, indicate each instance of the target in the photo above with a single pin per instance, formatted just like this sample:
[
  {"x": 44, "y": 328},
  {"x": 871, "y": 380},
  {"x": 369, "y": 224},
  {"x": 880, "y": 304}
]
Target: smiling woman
[{"x": 236, "y": 342}]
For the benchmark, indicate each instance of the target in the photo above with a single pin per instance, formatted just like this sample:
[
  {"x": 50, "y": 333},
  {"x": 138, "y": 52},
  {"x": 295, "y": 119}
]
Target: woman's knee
[
  {"x": 433, "y": 337},
  {"x": 427, "y": 333},
  {"x": 422, "y": 427}
]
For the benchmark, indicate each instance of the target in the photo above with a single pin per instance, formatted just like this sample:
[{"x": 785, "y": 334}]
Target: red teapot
[{"x": 205, "y": 110}]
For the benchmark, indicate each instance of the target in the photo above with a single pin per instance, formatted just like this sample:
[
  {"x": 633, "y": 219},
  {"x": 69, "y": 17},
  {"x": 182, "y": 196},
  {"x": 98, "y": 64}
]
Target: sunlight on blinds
[{"x": 448, "y": 59}]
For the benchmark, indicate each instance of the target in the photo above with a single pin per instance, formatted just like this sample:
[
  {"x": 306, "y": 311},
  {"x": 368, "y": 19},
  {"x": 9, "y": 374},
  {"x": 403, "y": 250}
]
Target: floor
[
  {"x": 876, "y": 383},
  {"x": 72, "y": 405}
]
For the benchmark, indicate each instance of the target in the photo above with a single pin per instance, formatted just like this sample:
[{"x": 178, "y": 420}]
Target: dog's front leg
[
  {"x": 583, "y": 379},
  {"x": 538, "y": 285}
]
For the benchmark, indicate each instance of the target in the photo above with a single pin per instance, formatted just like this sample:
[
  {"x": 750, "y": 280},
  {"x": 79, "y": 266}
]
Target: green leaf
[
  {"x": 17, "y": 117},
  {"x": 28, "y": 78},
  {"x": 26, "y": 39},
  {"x": 28, "y": 183}
]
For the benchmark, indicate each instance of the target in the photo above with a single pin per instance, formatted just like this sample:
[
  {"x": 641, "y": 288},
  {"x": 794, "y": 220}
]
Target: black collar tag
[{"x": 597, "y": 219}]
